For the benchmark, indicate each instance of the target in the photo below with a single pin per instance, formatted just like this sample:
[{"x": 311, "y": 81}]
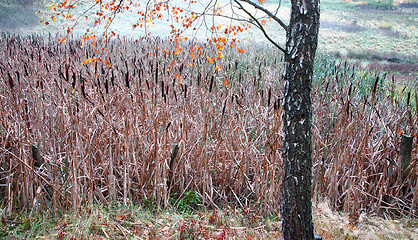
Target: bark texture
[{"x": 301, "y": 44}]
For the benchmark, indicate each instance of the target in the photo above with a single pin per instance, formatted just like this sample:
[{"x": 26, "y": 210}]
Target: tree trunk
[{"x": 302, "y": 39}]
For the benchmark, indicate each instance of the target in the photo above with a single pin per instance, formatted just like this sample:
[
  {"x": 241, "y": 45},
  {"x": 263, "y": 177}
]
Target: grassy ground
[
  {"x": 355, "y": 32},
  {"x": 136, "y": 222}
]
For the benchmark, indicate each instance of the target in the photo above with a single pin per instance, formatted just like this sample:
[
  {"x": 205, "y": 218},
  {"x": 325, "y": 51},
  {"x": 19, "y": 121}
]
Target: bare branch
[
  {"x": 79, "y": 19},
  {"x": 270, "y": 14},
  {"x": 260, "y": 26},
  {"x": 114, "y": 15},
  {"x": 277, "y": 9}
]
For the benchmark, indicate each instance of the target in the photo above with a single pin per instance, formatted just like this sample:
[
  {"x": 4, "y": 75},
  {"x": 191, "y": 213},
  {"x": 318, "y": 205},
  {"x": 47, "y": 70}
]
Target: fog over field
[{"x": 348, "y": 28}]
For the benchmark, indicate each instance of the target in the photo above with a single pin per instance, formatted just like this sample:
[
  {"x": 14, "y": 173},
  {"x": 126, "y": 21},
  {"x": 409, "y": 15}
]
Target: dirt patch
[
  {"x": 404, "y": 68},
  {"x": 402, "y": 72},
  {"x": 409, "y": 5},
  {"x": 349, "y": 28},
  {"x": 405, "y": 79}
]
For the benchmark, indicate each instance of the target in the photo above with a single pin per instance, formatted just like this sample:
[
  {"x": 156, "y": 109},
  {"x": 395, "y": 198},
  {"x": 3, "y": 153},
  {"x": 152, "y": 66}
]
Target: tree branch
[
  {"x": 260, "y": 26},
  {"x": 270, "y": 14},
  {"x": 277, "y": 9},
  {"x": 114, "y": 15}
]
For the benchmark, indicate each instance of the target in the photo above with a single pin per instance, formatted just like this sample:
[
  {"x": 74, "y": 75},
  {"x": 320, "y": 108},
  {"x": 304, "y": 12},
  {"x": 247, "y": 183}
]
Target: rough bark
[
  {"x": 406, "y": 151},
  {"x": 302, "y": 38}
]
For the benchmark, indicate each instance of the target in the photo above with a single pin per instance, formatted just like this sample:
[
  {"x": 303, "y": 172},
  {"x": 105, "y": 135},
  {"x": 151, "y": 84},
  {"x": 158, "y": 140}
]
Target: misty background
[
  {"x": 371, "y": 30},
  {"x": 15, "y": 14}
]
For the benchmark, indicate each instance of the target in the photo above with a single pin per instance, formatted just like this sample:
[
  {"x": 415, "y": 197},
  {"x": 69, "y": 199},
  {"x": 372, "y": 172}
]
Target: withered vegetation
[{"x": 72, "y": 133}]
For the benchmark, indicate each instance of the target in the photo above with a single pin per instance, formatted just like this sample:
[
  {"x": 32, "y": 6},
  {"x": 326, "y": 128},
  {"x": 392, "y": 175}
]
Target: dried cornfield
[{"x": 155, "y": 126}]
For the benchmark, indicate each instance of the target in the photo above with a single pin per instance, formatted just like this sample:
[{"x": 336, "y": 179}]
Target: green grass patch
[{"x": 134, "y": 221}]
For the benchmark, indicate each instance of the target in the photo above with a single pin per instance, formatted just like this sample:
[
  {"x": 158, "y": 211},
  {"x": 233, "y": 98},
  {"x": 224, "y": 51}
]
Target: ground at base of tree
[{"x": 135, "y": 222}]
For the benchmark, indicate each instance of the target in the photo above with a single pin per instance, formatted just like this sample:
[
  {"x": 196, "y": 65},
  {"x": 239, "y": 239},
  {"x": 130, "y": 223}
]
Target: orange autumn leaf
[
  {"x": 210, "y": 60},
  {"x": 225, "y": 83}
]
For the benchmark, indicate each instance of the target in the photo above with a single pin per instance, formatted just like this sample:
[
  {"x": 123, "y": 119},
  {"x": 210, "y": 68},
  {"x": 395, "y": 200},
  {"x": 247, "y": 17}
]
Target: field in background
[
  {"x": 348, "y": 30},
  {"x": 369, "y": 34},
  {"x": 19, "y": 14}
]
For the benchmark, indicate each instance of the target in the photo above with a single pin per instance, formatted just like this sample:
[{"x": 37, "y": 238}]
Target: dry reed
[{"x": 107, "y": 134}]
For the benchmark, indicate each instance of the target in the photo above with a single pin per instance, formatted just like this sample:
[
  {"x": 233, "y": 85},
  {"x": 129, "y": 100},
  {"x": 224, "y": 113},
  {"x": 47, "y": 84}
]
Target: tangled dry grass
[
  {"x": 360, "y": 118},
  {"x": 148, "y": 129}
]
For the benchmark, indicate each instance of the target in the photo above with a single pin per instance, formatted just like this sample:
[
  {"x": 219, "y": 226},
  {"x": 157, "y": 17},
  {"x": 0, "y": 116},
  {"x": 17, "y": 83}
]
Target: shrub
[
  {"x": 387, "y": 25},
  {"x": 379, "y": 4}
]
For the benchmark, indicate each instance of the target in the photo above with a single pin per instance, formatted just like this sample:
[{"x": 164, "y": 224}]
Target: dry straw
[{"x": 145, "y": 129}]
